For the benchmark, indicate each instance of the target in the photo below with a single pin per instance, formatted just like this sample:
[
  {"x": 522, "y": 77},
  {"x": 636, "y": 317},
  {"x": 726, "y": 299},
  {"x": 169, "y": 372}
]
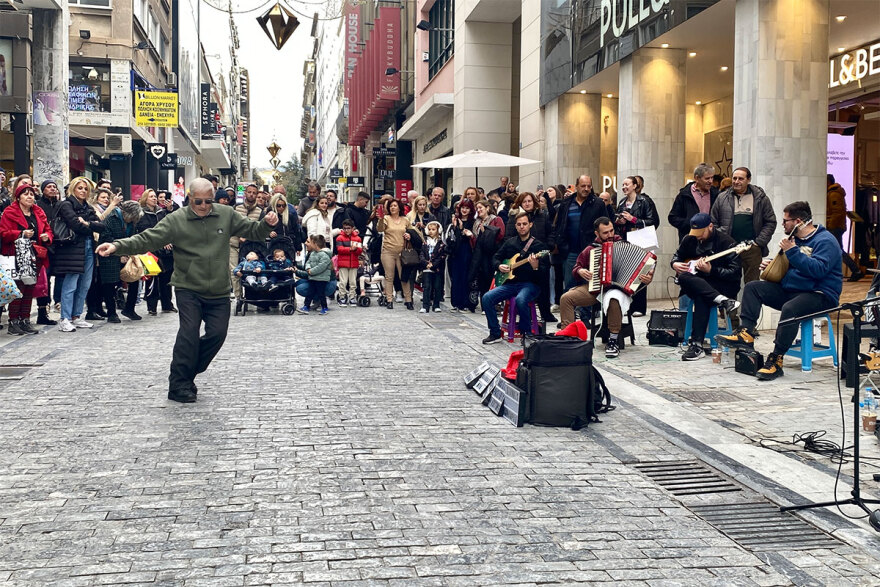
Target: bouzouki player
[
  {"x": 812, "y": 283},
  {"x": 524, "y": 285}
]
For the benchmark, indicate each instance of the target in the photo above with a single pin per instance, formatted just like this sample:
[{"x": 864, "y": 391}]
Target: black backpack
[{"x": 601, "y": 397}]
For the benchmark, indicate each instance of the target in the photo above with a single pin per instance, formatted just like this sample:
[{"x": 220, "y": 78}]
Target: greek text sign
[{"x": 156, "y": 108}]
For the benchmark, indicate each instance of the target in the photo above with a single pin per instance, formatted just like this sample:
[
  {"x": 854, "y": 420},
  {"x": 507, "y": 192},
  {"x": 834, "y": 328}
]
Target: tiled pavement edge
[{"x": 336, "y": 450}]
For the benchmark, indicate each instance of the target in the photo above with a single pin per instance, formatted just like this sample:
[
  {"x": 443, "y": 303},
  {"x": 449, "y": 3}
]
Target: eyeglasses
[{"x": 201, "y": 202}]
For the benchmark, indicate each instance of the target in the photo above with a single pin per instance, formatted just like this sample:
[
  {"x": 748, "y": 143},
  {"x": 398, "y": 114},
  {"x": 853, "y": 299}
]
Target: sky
[{"x": 276, "y": 77}]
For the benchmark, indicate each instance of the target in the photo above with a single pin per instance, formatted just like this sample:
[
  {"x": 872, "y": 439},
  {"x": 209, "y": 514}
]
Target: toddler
[
  {"x": 318, "y": 269},
  {"x": 251, "y": 262},
  {"x": 280, "y": 262},
  {"x": 433, "y": 257},
  {"x": 348, "y": 252}
]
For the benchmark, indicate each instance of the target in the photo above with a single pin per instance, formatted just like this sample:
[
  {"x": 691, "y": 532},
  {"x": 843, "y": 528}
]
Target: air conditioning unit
[
  {"x": 118, "y": 144},
  {"x": 171, "y": 79}
]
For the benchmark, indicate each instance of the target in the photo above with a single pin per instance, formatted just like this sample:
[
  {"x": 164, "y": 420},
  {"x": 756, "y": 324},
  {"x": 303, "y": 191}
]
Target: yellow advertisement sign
[{"x": 155, "y": 108}]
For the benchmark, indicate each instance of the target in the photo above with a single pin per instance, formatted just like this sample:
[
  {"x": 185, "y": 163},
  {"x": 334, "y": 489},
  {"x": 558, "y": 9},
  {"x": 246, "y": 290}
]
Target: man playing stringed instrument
[
  {"x": 812, "y": 283},
  {"x": 524, "y": 284},
  {"x": 615, "y": 303},
  {"x": 707, "y": 283}
]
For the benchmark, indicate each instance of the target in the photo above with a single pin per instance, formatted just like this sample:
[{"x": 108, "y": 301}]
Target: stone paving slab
[{"x": 336, "y": 450}]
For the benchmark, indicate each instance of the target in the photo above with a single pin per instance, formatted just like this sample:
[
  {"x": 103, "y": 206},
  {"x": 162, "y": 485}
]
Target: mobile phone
[{"x": 540, "y": 186}]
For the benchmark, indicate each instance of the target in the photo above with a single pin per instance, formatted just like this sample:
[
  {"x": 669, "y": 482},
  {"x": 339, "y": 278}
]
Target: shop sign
[
  {"x": 855, "y": 65},
  {"x": 205, "y": 109},
  {"x": 156, "y": 108},
  {"x": 94, "y": 161},
  {"x": 332, "y": 187},
  {"x": 168, "y": 162},
  {"x": 384, "y": 152},
  {"x": 385, "y": 173},
  {"x": 84, "y": 97},
  {"x": 335, "y": 173},
  {"x": 352, "y": 38},
  {"x": 619, "y": 16},
  {"x": 441, "y": 136},
  {"x": 402, "y": 188},
  {"x": 158, "y": 150},
  {"x": 387, "y": 26},
  {"x": 355, "y": 182}
]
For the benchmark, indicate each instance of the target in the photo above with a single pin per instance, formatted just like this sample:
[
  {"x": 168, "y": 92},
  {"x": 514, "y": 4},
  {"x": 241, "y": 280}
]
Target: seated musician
[
  {"x": 526, "y": 281},
  {"x": 812, "y": 283},
  {"x": 615, "y": 303},
  {"x": 714, "y": 283}
]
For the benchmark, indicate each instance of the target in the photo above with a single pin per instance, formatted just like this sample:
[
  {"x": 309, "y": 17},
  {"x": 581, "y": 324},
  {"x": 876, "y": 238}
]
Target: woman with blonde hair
[
  {"x": 288, "y": 223},
  {"x": 75, "y": 260},
  {"x": 419, "y": 216}
]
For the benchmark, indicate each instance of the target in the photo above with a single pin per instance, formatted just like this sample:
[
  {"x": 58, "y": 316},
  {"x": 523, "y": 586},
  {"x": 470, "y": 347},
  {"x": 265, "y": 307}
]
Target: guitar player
[
  {"x": 714, "y": 283},
  {"x": 615, "y": 303},
  {"x": 525, "y": 283}
]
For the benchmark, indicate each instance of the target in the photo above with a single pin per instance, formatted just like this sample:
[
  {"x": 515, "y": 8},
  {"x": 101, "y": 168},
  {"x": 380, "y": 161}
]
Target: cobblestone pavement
[{"x": 337, "y": 450}]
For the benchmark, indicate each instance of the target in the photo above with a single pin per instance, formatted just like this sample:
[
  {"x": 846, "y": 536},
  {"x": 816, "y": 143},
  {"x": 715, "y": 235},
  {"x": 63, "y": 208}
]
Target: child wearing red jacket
[{"x": 348, "y": 252}]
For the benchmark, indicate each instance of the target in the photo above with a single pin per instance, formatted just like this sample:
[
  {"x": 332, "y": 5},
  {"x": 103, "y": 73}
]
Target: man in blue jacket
[{"x": 812, "y": 283}]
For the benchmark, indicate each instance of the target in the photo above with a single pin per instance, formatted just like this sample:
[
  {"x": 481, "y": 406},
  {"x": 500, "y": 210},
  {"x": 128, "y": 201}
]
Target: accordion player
[{"x": 619, "y": 264}]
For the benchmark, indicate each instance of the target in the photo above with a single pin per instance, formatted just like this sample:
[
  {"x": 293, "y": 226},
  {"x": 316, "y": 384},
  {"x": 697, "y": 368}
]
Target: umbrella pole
[{"x": 477, "y": 174}]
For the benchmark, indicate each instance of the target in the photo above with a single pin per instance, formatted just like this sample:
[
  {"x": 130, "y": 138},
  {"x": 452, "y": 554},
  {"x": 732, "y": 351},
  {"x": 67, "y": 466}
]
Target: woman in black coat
[
  {"x": 75, "y": 260},
  {"x": 120, "y": 223},
  {"x": 635, "y": 211},
  {"x": 288, "y": 222}
]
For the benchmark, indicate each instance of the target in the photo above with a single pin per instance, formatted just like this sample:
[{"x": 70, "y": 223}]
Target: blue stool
[
  {"x": 806, "y": 351},
  {"x": 711, "y": 330}
]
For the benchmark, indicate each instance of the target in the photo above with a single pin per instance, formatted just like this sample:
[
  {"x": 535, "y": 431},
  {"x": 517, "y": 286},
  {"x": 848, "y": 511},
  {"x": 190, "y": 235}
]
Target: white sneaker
[
  {"x": 437, "y": 310},
  {"x": 66, "y": 326},
  {"x": 423, "y": 311},
  {"x": 81, "y": 323},
  {"x": 399, "y": 298}
]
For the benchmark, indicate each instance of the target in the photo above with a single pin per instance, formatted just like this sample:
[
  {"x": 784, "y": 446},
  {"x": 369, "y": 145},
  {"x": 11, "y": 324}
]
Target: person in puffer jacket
[
  {"x": 348, "y": 252},
  {"x": 318, "y": 269}
]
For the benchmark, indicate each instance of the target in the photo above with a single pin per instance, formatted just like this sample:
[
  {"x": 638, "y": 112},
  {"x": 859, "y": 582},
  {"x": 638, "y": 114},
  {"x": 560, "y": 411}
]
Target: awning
[
  {"x": 215, "y": 155},
  {"x": 438, "y": 107}
]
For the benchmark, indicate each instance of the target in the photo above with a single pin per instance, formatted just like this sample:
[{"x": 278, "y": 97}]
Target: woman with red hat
[{"x": 23, "y": 219}]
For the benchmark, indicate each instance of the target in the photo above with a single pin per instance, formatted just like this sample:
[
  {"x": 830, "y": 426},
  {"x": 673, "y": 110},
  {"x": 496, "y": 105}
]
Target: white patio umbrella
[{"x": 476, "y": 158}]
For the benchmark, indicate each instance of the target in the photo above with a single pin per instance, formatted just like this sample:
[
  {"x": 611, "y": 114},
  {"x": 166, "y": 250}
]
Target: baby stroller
[
  {"x": 371, "y": 279},
  {"x": 264, "y": 294}
]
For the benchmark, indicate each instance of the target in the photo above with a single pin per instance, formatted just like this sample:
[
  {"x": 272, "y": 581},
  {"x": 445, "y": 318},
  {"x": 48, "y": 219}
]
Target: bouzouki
[
  {"x": 513, "y": 263},
  {"x": 778, "y": 267},
  {"x": 692, "y": 263}
]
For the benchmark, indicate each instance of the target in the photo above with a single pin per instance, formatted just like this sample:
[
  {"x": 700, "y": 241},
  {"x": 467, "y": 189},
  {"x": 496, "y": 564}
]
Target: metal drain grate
[
  {"x": 686, "y": 478},
  {"x": 761, "y": 526},
  {"x": 708, "y": 396}
]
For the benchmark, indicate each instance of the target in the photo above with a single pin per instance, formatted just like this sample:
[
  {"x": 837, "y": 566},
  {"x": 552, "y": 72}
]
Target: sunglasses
[
  {"x": 199, "y": 202},
  {"x": 280, "y": 205}
]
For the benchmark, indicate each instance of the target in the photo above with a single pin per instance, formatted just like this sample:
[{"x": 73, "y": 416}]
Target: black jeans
[
  {"x": 703, "y": 292},
  {"x": 791, "y": 303},
  {"x": 193, "y": 353},
  {"x": 108, "y": 292},
  {"x": 432, "y": 289}
]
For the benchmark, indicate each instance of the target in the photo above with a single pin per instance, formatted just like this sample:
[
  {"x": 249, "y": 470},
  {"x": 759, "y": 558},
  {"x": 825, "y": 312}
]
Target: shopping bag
[
  {"x": 8, "y": 290},
  {"x": 132, "y": 271},
  {"x": 41, "y": 290},
  {"x": 151, "y": 264}
]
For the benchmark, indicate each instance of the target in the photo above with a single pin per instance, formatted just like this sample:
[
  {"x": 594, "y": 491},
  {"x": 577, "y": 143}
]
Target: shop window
[
  {"x": 90, "y": 3},
  {"x": 89, "y": 88},
  {"x": 441, "y": 38}
]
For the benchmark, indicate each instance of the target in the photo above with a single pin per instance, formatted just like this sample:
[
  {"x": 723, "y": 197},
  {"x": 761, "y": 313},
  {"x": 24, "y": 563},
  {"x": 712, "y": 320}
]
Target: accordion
[{"x": 620, "y": 264}]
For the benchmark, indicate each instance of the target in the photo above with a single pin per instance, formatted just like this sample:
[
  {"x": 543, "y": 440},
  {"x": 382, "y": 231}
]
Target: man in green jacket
[{"x": 200, "y": 234}]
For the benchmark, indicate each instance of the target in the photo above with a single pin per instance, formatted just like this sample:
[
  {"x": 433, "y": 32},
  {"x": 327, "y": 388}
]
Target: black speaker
[{"x": 666, "y": 327}]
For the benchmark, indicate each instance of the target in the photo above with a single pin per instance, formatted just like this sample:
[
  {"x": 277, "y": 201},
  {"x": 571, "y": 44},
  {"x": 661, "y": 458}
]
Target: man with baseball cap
[{"x": 707, "y": 283}]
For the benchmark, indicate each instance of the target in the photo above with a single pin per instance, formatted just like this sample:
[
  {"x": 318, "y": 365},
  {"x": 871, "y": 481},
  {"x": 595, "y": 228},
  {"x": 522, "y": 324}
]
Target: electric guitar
[
  {"x": 513, "y": 263},
  {"x": 692, "y": 263}
]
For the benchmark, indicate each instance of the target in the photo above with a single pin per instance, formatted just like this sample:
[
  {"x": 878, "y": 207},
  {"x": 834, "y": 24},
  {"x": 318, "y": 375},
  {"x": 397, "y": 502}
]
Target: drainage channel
[{"x": 755, "y": 525}]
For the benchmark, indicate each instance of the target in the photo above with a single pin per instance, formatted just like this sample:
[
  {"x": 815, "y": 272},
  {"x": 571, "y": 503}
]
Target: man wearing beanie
[{"x": 48, "y": 201}]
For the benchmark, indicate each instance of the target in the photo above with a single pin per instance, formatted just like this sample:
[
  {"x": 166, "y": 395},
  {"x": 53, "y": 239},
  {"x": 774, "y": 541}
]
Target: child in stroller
[
  {"x": 279, "y": 289},
  {"x": 252, "y": 264}
]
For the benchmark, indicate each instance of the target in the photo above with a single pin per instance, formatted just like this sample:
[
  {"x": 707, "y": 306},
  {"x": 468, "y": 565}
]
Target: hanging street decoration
[{"x": 283, "y": 24}]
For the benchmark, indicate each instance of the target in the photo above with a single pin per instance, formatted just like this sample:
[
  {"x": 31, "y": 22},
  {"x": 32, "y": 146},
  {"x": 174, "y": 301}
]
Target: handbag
[
  {"x": 150, "y": 264},
  {"x": 409, "y": 257},
  {"x": 9, "y": 292},
  {"x": 132, "y": 271},
  {"x": 41, "y": 289},
  {"x": 25, "y": 261},
  {"x": 776, "y": 270},
  {"x": 62, "y": 233}
]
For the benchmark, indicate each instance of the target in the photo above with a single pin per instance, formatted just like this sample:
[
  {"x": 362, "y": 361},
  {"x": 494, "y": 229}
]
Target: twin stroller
[{"x": 269, "y": 288}]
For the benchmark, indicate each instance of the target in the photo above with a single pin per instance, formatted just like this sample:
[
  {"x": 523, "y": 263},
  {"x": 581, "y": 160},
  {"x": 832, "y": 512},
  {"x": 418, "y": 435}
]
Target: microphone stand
[{"x": 858, "y": 310}]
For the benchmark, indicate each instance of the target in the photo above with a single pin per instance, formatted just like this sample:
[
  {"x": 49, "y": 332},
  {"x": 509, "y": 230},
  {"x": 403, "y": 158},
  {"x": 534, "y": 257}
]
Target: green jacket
[
  {"x": 201, "y": 246},
  {"x": 320, "y": 265}
]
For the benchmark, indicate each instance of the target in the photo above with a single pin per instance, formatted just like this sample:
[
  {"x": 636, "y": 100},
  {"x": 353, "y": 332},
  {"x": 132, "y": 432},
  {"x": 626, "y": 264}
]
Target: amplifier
[
  {"x": 666, "y": 327},
  {"x": 748, "y": 362}
]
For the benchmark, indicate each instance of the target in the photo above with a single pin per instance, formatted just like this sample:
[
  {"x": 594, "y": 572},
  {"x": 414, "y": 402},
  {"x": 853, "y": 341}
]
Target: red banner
[
  {"x": 387, "y": 32},
  {"x": 403, "y": 186}
]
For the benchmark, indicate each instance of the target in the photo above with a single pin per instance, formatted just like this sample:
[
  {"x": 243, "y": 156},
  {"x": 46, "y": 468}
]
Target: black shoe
[
  {"x": 43, "y": 317},
  {"x": 184, "y": 396},
  {"x": 492, "y": 339},
  {"x": 172, "y": 310},
  {"x": 742, "y": 338},
  {"x": 551, "y": 319},
  {"x": 113, "y": 319},
  {"x": 14, "y": 328},
  {"x": 772, "y": 368},
  {"x": 693, "y": 352},
  {"x": 130, "y": 315},
  {"x": 193, "y": 388},
  {"x": 729, "y": 305},
  {"x": 611, "y": 349},
  {"x": 93, "y": 316},
  {"x": 25, "y": 325},
  {"x": 389, "y": 305},
  {"x": 856, "y": 276},
  {"x": 101, "y": 313},
  {"x": 152, "y": 312},
  {"x": 409, "y": 306}
]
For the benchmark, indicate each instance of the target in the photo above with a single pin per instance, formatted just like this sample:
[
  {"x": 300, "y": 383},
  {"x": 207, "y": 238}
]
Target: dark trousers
[
  {"x": 316, "y": 291},
  {"x": 193, "y": 353},
  {"x": 432, "y": 289},
  {"x": 158, "y": 288},
  {"x": 131, "y": 296},
  {"x": 558, "y": 282},
  {"x": 791, "y": 303},
  {"x": 703, "y": 292},
  {"x": 93, "y": 296},
  {"x": 108, "y": 292}
]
